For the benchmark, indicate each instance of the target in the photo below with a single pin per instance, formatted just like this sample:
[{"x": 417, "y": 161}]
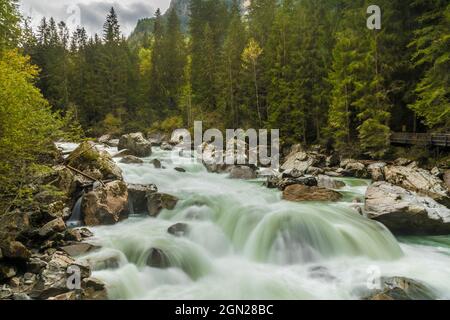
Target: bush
[{"x": 27, "y": 125}]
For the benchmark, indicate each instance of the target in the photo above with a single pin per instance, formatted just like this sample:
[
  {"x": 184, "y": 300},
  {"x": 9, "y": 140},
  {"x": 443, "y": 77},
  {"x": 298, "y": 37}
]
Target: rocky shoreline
[{"x": 37, "y": 248}]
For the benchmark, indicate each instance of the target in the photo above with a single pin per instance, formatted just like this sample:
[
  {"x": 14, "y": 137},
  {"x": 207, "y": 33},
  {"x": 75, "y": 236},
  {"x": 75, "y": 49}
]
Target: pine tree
[
  {"x": 432, "y": 44},
  {"x": 230, "y": 73},
  {"x": 174, "y": 60}
]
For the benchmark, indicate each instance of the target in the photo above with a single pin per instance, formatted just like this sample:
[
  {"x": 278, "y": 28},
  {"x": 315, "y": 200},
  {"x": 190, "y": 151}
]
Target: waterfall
[
  {"x": 245, "y": 242},
  {"x": 76, "y": 219}
]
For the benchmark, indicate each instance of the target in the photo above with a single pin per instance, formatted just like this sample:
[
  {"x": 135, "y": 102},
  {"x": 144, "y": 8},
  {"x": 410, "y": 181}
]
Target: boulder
[
  {"x": 14, "y": 250},
  {"x": 98, "y": 164},
  {"x": 292, "y": 173},
  {"x": 12, "y": 225},
  {"x": 137, "y": 197},
  {"x": 131, "y": 160},
  {"x": 156, "y": 138},
  {"x": 329, "y": 183},
  {"x": 300, "y": 193},
  {"x": 53, "y": 279},
  {"x": 52, "y": 227},
  {"x": 78, "y": 249},
  {"x": 178, "y": 229},
  {"x": 157, "y": 259},
  {"x": 405, "y": 212},
  {"x": 104, "y": 138},
  {"x": 106, "y": 204},
  {"x": 283, "y": 183},
  {"x": 354, "y": 168},
  {"x": 156, "y": 163},
  {"x": 243, "y": 172},
  {"x": 418, "y": 180},
  {"x": 166, "y": 146},
  {"x": 94, "y": 289},
  {"x": 178, "y": 169},
  {"x": 376, "y": 171},
  {"x": 315, "y": 171},
  {"x": 156, "y": 202},
  {"x": 400, "y": 288},
  {"x": 136, "y": 144},
  {"x": 104, "y": 263}
]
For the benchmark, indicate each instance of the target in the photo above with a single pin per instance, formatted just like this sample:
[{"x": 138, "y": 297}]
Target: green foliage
[
  {"x": 9, "y": 24},
  {"x": 432, "y": 44},
  {"x": 28, "y": 127}
]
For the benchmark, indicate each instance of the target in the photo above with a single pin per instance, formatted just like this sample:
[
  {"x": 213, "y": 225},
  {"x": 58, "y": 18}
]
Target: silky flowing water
[{"x": 245, "y": 242}]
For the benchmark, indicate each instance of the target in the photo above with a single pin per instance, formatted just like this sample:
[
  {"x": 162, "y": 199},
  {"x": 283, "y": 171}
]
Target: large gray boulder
[
  {"x": 418, "y": 180},
  {"x": 106, "y": 204},
  {"x": 136, "y": 144},
  {"x": 405, "y": 212}
]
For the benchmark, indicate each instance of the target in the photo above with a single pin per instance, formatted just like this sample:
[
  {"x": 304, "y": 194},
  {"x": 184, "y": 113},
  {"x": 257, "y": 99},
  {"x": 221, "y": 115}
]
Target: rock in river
[
  {"x": 405, "y": 212},
  {"x": 106, "y": 204},
  {"x": 418, "y": 180},
  {"x": 136, "y": 144},
  {"x": 300, "y": 193}
]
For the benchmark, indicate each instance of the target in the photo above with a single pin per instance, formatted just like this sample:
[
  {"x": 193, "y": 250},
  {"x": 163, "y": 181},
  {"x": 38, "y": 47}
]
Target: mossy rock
[{"x": 87, "y": 158}]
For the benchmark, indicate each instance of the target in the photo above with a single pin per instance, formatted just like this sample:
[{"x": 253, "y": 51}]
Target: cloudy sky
[{"x": 91, "y": 13}]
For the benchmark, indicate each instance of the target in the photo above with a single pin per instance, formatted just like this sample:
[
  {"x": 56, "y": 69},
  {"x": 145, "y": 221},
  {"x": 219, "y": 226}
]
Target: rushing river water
[{"x": 244, "y": 242}]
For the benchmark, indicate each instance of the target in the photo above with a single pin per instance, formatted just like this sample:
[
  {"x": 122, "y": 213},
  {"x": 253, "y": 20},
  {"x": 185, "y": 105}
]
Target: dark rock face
[
  {"x": 105, "y": 205},
  {"x": 138, "y": 195},
  {"x": 404, "y": 212},
  {"x": 399, "y": 288},
  {"x": 299, "y": 193},
  {"x": 136, "y": 144},
  {"x": 157, "y": 259}
]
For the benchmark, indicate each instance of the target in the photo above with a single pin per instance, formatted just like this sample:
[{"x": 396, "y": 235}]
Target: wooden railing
[{"x": 421, "y": 139}]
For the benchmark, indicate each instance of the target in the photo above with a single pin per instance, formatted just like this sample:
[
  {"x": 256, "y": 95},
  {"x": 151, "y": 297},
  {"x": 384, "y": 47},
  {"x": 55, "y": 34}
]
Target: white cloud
[{"x": 92, "y": 13}]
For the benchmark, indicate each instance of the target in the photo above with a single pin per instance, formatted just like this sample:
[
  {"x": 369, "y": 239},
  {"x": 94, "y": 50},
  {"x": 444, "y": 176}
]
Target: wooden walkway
[{"x": 421, "y": 139}]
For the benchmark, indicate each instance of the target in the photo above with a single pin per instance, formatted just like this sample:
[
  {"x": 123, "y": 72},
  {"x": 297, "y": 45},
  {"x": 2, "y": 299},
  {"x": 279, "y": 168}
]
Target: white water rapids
[{"x": 246, "y": 243}]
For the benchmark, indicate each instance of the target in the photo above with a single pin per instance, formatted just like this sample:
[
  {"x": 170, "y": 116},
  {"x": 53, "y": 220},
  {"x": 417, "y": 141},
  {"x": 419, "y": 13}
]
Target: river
[{"x": 244, "y": 242}]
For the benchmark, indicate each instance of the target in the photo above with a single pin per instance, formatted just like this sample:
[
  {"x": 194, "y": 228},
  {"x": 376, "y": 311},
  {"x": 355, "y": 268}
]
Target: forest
[{"x": 310, "y": 68}]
